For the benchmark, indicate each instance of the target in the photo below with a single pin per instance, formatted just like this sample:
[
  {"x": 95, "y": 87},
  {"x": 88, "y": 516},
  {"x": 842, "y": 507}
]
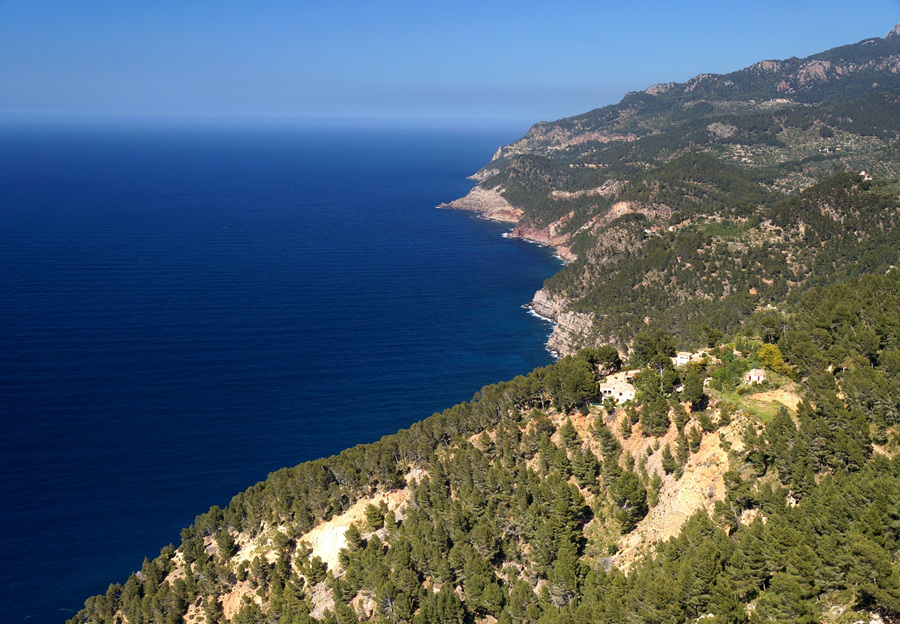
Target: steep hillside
[{"x": 703, "y": 496}]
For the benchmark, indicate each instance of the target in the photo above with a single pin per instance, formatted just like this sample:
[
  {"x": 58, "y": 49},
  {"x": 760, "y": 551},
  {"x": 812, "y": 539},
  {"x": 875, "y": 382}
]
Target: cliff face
[
  {"x": 573, "y": 329},
  {"x": 547, "y": 305},
  {"x": 489, "y": 203}
]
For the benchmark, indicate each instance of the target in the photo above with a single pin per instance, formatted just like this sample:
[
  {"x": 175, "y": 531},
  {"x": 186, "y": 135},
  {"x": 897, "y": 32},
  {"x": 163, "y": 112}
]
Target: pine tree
[
  {"x": 668, "y": 462},
  {"x": 653, "y": 490},
  {"x": 694, "y": 439},
  {"x": 630, "y": 498}
]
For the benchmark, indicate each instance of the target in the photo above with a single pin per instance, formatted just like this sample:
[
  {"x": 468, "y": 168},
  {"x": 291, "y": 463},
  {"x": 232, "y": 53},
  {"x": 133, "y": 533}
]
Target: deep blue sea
[{"x": 184, "y": 310}]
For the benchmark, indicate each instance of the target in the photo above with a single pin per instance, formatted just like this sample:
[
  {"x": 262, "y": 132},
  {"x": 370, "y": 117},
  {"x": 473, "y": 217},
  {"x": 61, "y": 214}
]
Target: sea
[{"x": 187, "y": 308}]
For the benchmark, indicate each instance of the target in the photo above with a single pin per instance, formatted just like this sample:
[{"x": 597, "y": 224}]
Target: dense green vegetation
[
  {"x": 516, "y": 512},
  {"x": 715, "y": 271}
]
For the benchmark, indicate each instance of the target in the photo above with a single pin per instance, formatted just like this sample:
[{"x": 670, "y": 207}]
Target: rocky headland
[{"x": 488, "y": 203}]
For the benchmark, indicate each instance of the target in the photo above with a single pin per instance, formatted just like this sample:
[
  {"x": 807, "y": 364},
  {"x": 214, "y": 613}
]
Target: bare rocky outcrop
[
  {"x": 722, "y": 130},
  {"x": 814, "y": 71},
  {"x": 769, "y": 67},
  {"x": 488, "y": 203},
  {"x": 696, "y": 81},
  {"x": 659, "y": 89},
  {"x": 571, "y": 332},
  {"x": 547, "y": 305},
  {"x": 609, "y": 188},
  {"x": 322, "y": 598},
  {"x": 821, "y": 71}
]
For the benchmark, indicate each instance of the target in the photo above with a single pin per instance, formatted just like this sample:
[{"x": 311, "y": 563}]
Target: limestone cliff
[
  {"x": 489, "y": 203},
  {"x": 572, "y": 329}
]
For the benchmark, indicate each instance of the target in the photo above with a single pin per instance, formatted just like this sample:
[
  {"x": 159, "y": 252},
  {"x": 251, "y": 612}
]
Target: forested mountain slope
[
  {"x": 687, "y": 206},
  {"x": 533, "y": 503},
  {"x": 728, "y": 215}
]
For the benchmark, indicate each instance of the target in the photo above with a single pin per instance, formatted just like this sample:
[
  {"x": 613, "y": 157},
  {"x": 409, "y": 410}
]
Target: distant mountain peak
[
  {"x": 893, "y": 33},
  {"x": 659, "y": 89}
]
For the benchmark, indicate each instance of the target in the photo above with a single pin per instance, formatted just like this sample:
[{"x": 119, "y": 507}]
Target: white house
[
  {"x": 618, "y": 388},
  {"x": 683, "y": 357},
  {"x": 757, "y": 375}
]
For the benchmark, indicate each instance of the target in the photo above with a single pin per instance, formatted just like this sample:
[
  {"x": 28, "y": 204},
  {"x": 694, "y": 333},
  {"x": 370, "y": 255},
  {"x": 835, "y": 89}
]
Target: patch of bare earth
[
  {"x": 250, "y": 548},
  {"x": 327, "y": 539},
  {"x": 195, "y": 614},
  {"x": 234, "y": 600},
  {"x": 700, "y": 486},
  {"x": 785, "y": 397}
]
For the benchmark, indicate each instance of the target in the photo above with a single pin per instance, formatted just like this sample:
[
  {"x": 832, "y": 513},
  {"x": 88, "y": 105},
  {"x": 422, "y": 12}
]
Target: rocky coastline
[
  {"x": 490, "y": 204},
  {"x": 487, "y": 203},
  {"x": 570, "y": 328}
]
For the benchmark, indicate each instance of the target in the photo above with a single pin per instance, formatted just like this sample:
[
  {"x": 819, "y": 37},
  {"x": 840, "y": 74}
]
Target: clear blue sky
[{"x": 508, "y": 60}]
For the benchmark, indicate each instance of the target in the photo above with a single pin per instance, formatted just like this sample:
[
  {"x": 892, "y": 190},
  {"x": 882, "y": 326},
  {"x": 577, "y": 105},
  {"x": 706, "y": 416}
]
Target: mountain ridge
[{"x": 794, "y": 76}]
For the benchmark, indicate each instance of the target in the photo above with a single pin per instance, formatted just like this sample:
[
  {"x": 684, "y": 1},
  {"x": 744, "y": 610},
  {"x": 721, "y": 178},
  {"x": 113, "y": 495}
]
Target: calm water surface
[{"x": 183, "y": 311}]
